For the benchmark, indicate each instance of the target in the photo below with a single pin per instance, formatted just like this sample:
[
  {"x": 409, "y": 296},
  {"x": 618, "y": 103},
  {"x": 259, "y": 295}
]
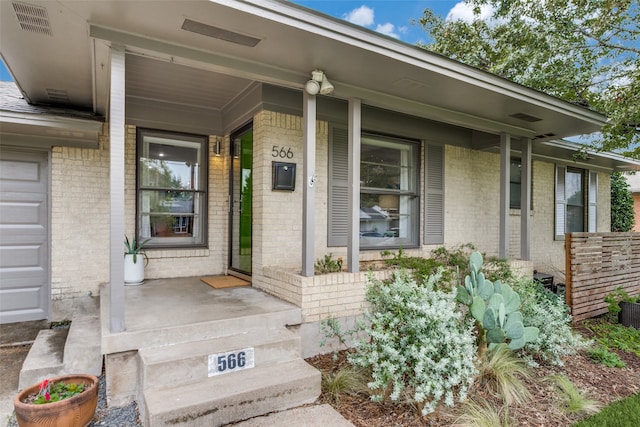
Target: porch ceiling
[{"x": 65, "y": 62}]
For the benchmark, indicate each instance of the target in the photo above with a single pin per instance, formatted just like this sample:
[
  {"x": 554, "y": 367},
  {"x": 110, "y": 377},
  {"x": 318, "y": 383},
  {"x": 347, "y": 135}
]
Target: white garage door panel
[
  {"x": 26, "y": 299},
  {"x": 24, "y": 236},
  {"x": 21, "y": 257}
]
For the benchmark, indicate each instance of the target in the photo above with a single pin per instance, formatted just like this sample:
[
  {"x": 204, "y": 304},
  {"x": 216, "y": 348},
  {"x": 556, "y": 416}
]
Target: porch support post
[
  {"x": 308, "y": 193},
  {"x": 116, "y": 190},
  {"x": 353, "y": 240},
  {"x": 525, "y": 201},
  {"x": 505, "y": 166}
]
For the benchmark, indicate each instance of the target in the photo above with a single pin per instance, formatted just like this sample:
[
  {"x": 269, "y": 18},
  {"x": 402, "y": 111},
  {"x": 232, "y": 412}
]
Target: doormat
[{"x": 220, "y": 282}]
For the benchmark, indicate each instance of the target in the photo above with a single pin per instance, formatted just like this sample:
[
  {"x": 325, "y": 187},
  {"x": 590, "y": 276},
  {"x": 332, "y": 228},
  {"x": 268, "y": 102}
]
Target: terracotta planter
[
  {"x": 630, "y": 314},
  {"x": 77, "y": 411}
]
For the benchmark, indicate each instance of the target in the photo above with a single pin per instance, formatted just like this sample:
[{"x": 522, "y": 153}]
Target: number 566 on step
[{"x": 231, "y": 361}]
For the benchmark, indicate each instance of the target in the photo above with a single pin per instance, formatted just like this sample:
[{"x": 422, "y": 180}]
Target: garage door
[{"x": 24, "y": 252}]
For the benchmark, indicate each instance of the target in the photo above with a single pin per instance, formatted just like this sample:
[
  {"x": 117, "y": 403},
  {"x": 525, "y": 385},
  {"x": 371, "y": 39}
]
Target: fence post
[{"x": 567, "y": 270}]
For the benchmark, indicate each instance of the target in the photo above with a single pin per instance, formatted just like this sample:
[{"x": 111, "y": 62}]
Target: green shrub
[
  {"x": 549, "y": 313},
  {"x": 417, "y": 343},
  {"x": 420, "y": 268},
  {"x": 602, "y": 355},
  {"x": 615, "y": 336},
  {"x": 328, "y": 265},
  {"x": 345, "y": 381},
  {"x": 458, "y": 257}
]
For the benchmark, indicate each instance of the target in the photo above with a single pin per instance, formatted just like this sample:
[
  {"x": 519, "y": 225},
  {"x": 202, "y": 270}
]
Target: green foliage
[
  {"x": 58, "y": 391},
  {"x": 549, "y": 313},
  {"x": 502, "y": 371},
  {"x": 573, "y": 401},
  {"x": 134, "y": 248},
  {"x": 584, "y": 52},
  {"x": 494, "y": 306},
  {"x": 615, "y": 298},
  {"x": 602, "y": 355},
  {"x": 457, "y": 259},
  {"x": 417, "y": 343},
  {"x": 622, "y": 215},
  {"x": 615, "y": 336},
  {"x": 421, "y": 268},
  {"x": 346, "y": 381},
  {"x": 327, "y": 265},
  {"x": 625, "y": 412}
]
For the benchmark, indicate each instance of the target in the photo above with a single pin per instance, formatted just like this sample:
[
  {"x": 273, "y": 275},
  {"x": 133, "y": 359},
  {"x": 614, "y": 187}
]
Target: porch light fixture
[
  {"x": 318, "y": 84},
  {"x": 217, "y": 147}
]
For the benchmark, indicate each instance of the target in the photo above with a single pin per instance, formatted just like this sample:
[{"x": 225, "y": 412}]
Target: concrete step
[
  {"x": 160, "y": 336},
  {"x": 82, "y": 349},
  {"x": 232, "y": 397},
  {"x": 174, "y": 365},
  {"x": 63, "y": 351},
  {"x": 45, "y": 357}
]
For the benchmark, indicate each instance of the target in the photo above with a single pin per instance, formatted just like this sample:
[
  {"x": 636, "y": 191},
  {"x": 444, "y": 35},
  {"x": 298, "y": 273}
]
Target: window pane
[
  {"x": 388, "y": 220},
  {"x": 514, "y": 195},
  {"x": 573, "y": 183},
  {"x": 575, "y": 219},
  {"x": 171, "y": 214},
  {"x": 386, "y": 165},
  {"x": 169, "y": 163}
]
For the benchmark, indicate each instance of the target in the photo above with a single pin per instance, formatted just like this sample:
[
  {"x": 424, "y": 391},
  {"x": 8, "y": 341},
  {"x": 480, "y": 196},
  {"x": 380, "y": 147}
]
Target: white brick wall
[{"x": 80, "y": 215}]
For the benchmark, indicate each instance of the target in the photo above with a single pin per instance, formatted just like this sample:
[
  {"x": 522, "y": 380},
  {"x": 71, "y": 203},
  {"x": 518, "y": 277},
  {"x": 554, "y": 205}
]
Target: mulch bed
[{"x": 600, "y": 383}]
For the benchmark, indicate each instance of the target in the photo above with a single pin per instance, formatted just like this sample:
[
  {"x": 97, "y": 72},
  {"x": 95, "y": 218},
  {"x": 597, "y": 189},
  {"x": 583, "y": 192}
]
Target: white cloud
[
  {"x": 387, "y": 29},
  {"x": 464, "y": 12},
  {"x": 361, "y": 16}
]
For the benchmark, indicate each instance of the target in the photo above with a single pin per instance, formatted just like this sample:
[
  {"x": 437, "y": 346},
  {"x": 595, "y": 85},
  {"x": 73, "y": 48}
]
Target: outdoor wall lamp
[
  {"x": 217, "y": 148},
  {"x": 318, "y": 84}
]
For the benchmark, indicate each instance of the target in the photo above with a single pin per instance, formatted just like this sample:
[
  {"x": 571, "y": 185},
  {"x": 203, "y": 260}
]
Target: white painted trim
[
  {"x": 309, "y": 181},
  {"x": 353, "y": 237},
  {"x": 505, "y": 167},
  {"x": 525, "y": 201}
]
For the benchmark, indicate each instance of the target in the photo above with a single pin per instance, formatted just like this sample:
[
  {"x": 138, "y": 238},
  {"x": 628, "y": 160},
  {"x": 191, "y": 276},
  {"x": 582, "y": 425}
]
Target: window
[
  {"x": 389, "y": 202},
  {"x": 172, "y": 189},
  {"x": 576, "y": 208},
  {"x": 515, "y": 182}
]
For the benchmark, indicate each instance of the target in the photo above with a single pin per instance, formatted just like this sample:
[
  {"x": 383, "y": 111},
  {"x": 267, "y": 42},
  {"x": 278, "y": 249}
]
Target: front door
[
  {"x": 24, "y": 236},
  {"x": 241, "y": 200}
]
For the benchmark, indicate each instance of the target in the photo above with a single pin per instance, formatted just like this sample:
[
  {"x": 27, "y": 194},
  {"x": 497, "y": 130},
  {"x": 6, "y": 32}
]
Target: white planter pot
[{"x": 133, "y": 272}]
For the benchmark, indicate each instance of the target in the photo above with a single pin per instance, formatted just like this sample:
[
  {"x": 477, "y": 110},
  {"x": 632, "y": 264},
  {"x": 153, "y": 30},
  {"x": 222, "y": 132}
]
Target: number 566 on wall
[{"x": 231, "y": 361}]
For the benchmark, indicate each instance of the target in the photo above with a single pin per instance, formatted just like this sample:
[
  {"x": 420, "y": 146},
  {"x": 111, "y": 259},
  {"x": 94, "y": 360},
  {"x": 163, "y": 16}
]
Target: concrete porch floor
[{"x": 166, "y": 311}]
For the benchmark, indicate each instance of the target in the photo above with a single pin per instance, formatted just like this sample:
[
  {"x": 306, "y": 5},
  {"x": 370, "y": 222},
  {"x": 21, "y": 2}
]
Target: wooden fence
[{"x": 597, "y": 264}]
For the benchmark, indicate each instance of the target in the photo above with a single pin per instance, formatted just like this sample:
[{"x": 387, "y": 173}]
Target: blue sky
[{"x": 390, "y": 17}]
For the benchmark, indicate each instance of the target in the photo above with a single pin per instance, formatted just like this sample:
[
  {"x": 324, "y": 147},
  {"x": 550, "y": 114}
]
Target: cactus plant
[{"x": 495, "y": 309}]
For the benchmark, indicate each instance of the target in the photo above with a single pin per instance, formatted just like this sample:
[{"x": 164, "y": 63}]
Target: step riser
[
  {"x": 194, "y": 367},
  {"x": 242, "y": 406}
]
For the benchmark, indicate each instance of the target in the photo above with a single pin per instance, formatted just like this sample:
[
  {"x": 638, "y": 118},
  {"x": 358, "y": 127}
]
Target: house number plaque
[{"x": 231, "y": 361}]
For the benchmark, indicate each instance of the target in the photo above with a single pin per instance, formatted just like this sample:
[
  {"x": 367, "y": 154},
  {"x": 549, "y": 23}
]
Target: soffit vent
[
  {"x": 32, "y": 18},
  {"x": 526, "y": 117},
  {"x": 57, "y": 95},
  {"x": 219, "y": 33}
]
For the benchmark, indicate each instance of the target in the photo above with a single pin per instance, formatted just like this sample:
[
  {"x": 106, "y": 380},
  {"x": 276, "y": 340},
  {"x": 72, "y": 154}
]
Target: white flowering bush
[
  {"x": 417, "y": 343},
  {"x": 550, "y": 315}
]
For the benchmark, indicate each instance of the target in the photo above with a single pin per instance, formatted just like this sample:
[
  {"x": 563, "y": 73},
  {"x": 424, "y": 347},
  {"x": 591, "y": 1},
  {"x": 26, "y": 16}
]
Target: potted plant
[
  {"x": 135, "y": 260},
  {"x": 68, "y": 400},
  {"x": 625, "y": 306}
]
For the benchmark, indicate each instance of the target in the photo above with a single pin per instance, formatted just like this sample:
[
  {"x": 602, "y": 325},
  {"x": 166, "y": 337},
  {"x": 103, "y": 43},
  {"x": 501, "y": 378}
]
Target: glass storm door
[{"x": 241, "y": 201}]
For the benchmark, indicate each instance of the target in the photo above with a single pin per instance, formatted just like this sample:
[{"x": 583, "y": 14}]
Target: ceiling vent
[
  {"x": 57, "y": 95},
  {"x": 32, "y": 18},
  {"x": 526, "y": 117},
  {"x": 219, "y": 33}
]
